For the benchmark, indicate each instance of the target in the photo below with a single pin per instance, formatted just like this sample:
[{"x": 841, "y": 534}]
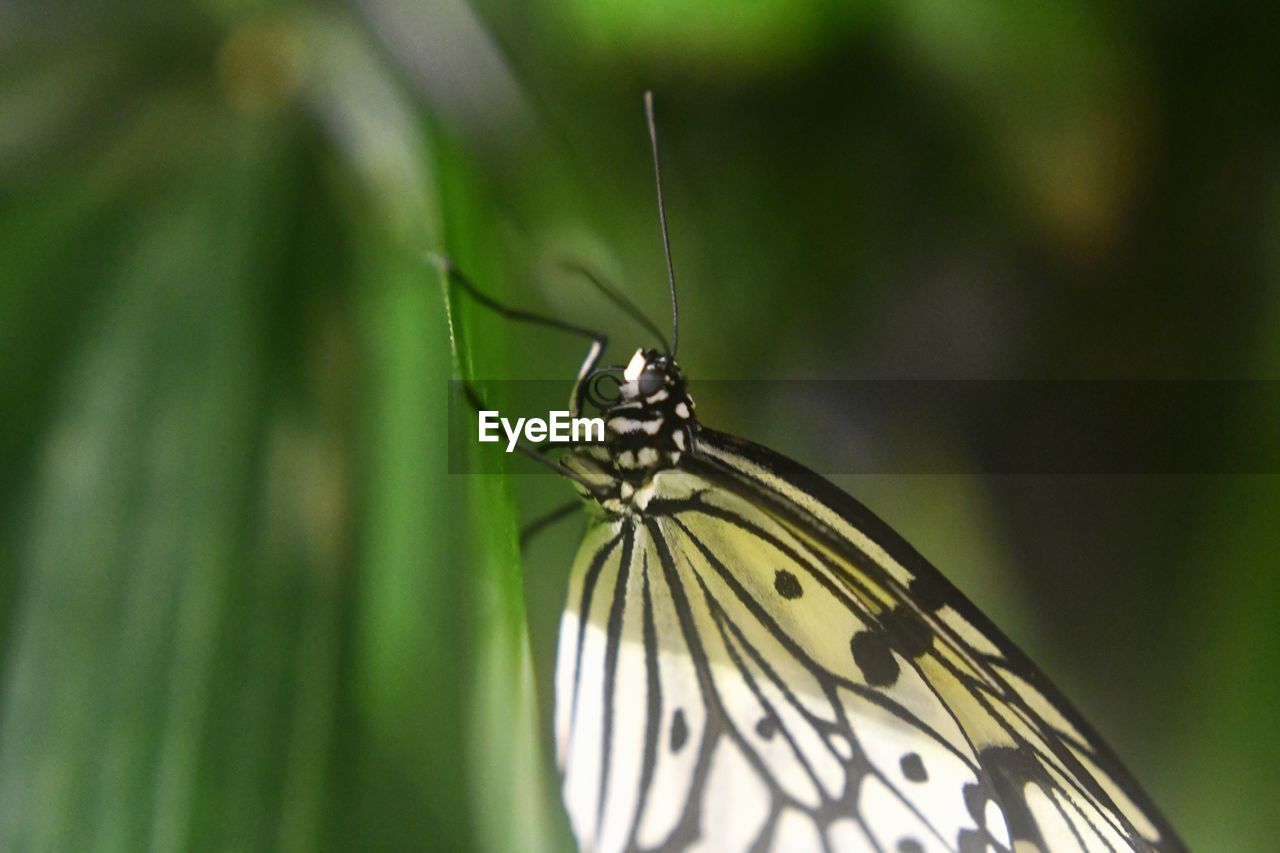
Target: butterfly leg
[
  {"x": 542, "y": 522},
  {"x": 618, "y": 298},
  {"x": 533, "y": 452},
  {"x": 455, "y": 277}
]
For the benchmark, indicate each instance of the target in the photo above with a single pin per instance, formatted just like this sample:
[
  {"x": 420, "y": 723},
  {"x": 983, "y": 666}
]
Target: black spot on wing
[
  {"x": 766, "y": 727},
  {"x": 913, "y": 767},
  {"x": 928, "y": 595},
  {"x": 679, "y": 730},
  {"x": 900, "y": 630},
  {"x": 874, "y": 658},
  {"x": 787, "y": 584}
]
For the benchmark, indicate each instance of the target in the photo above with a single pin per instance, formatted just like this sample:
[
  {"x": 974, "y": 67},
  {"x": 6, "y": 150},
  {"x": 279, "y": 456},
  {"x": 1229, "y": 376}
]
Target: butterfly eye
[{"x": 650, "y": 381}]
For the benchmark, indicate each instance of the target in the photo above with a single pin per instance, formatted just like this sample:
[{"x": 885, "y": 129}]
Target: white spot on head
[
  {"x": 634, "y": 367},
  {"x": 622, "y": 425},
  {"x": 682, "y": 410}
]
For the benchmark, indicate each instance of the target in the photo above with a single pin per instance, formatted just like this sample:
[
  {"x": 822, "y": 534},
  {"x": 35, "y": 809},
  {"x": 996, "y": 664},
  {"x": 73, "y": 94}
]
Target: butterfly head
[
  {"x": 651, "y": 379},
  {"x": 649, "y": 424}
]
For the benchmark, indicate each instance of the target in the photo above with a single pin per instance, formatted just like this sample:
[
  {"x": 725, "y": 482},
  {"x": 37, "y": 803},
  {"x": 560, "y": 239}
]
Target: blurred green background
[{"x": 243, "y": 605}]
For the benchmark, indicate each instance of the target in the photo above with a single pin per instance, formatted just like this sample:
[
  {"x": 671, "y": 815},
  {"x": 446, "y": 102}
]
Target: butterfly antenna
[
  {"x": 662, "y": 219},
  {"x": 618, "y": 298}
]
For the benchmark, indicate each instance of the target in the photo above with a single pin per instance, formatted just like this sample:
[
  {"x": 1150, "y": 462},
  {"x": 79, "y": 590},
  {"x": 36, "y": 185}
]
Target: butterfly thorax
[{"x": 649, "y": 427}]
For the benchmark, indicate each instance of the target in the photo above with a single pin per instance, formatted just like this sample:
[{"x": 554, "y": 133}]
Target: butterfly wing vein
[{"x": 727, "y": 680}]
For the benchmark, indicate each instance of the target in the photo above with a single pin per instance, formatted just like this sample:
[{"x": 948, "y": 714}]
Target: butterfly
[{"x": 750, "y": 660}]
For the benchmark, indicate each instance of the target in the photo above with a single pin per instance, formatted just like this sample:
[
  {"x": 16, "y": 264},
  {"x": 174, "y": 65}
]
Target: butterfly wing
[{"x": 757, "y": 663}]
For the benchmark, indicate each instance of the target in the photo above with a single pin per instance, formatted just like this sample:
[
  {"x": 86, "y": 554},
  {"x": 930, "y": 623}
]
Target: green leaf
[{"x": 134, "y": 531}]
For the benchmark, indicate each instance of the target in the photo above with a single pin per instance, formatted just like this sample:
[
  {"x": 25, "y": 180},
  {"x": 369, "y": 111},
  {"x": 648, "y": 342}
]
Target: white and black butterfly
[{"x": 749, "y": 660}]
